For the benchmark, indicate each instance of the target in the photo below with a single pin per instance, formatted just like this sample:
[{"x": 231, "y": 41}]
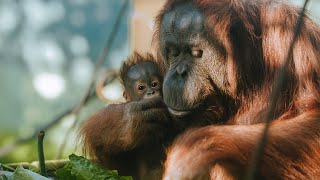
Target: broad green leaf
[
  {"x": 82, "y": 169},
  {"x": 21, "y": 173}
]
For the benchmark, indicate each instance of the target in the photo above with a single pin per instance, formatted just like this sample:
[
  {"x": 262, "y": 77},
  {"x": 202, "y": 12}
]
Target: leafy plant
[{"x": 80, "y": 168}]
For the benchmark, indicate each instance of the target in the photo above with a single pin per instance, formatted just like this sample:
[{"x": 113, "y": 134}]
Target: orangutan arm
[
  {"x": 292, "y": 150},
  {"x": 120, "y": 128}
]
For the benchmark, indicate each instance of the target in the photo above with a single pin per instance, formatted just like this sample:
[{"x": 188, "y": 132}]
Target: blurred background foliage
[{"x": 47, "y": 53}]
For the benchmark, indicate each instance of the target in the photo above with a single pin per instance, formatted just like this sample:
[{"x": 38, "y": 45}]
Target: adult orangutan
[{"x": 234, "y": 49}]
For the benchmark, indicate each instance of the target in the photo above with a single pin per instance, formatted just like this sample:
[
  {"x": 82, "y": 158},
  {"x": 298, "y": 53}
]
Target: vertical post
[{"x": 42, "y": 164}]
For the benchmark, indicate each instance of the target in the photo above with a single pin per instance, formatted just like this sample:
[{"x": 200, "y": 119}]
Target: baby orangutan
[
  {"x": 131, "y": 137},
  {"x": 141, "y": 78}
]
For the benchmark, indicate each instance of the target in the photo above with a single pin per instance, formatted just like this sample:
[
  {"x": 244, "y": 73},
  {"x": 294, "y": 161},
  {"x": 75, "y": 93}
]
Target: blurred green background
[{"x": 47, "y": 53}]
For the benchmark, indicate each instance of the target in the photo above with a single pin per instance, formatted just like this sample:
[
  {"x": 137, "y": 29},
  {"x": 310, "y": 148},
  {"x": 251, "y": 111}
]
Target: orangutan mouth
[{"x": 179, "y": 112}]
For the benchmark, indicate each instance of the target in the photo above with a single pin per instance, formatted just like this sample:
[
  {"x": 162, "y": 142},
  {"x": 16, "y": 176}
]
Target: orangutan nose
[{"x": 182, "y": 69}]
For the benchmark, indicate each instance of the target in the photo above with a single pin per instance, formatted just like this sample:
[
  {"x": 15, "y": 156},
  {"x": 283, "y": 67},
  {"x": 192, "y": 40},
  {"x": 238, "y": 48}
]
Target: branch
[
  {"x": 89, "y": 95},
  {"x": 99, "y": 62},
  {"x": 107, "y": 77},
  {"x": 5, "y": 150},
  {"x": 43, "y": 171},
  {"x": 256, "y": 159}
]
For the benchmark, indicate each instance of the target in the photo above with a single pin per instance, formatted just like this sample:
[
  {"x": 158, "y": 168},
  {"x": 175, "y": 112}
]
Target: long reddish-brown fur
[
  {"x": 256, "y": 36},
  {"x": 123, "y": 137}
]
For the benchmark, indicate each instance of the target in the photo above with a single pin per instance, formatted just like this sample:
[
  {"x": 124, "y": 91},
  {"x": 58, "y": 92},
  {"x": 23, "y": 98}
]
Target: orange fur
[
  {"x": 129, "y": 137},
  {"x": 256, "y": 35}
]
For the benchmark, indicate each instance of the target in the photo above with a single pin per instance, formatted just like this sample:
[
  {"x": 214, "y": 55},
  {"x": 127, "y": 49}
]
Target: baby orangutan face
[{"x": 143, "y": 81}]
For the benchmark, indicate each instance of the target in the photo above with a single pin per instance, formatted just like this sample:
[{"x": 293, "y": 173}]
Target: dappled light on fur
[{"x": 254, "y": 37}]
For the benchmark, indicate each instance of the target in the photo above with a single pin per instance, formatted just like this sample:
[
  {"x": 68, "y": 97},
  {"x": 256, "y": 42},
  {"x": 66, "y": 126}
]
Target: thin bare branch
[
  {"x": 5, "y": 150},
  {"x": 98, "y": 64},
  {"x": 256, "y": 159},
  {"x": 43, "y": 171},
  {"x": 89, "y": 94}
]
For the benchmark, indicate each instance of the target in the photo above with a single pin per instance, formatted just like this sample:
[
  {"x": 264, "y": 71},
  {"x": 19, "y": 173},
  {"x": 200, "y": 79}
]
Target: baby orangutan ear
[{"x": 126, "y": 97}]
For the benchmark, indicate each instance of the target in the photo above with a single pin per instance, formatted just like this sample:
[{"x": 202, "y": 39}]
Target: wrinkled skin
[
  {"x": 227, "y": 55},
  {"x": 187, "y": 53}
]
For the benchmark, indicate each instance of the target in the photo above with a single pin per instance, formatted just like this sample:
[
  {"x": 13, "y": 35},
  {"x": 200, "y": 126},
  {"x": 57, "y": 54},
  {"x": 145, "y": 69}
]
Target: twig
[
  {"x": 76, "y": 108},
  {"x": 7, "y": 167},
  {"x": 50, "y": 164},
  {"x": 43, "y": 171},
  {"x": 276, "y": 92},
  {"x": 99, "y": 62},
  {"x": 107, "y": 77}
]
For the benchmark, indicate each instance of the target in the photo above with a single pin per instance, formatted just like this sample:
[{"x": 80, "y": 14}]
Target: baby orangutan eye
[
  {"x": 154, "y": 84},
  {"x": 141, "y": 87}
]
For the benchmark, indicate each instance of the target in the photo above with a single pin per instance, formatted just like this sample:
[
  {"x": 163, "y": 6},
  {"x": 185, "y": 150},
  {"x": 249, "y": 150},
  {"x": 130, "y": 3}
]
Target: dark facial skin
[
  {"x": 143, "y": 81},
  {"x": 190, "y": 59}
]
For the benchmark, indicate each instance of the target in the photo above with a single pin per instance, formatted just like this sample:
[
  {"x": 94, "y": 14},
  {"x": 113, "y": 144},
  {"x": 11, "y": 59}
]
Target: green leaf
[
  {"x": 65, "y": 172},
  {"x": 80, "y": 168},
  {"x": 3, "y": 177},
  {"x": 21, "y": 173}
]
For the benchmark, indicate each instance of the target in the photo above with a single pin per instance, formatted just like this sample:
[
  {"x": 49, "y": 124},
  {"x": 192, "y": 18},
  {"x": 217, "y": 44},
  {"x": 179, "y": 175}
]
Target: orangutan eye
[
  {"x": 154, "y": 84},
  {"x": 141, "y": 87},
  {"x": 197, "y": 53}
]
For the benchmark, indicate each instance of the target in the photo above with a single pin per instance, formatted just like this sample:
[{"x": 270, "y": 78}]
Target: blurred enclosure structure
[{"x": 47, "y": 53}]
